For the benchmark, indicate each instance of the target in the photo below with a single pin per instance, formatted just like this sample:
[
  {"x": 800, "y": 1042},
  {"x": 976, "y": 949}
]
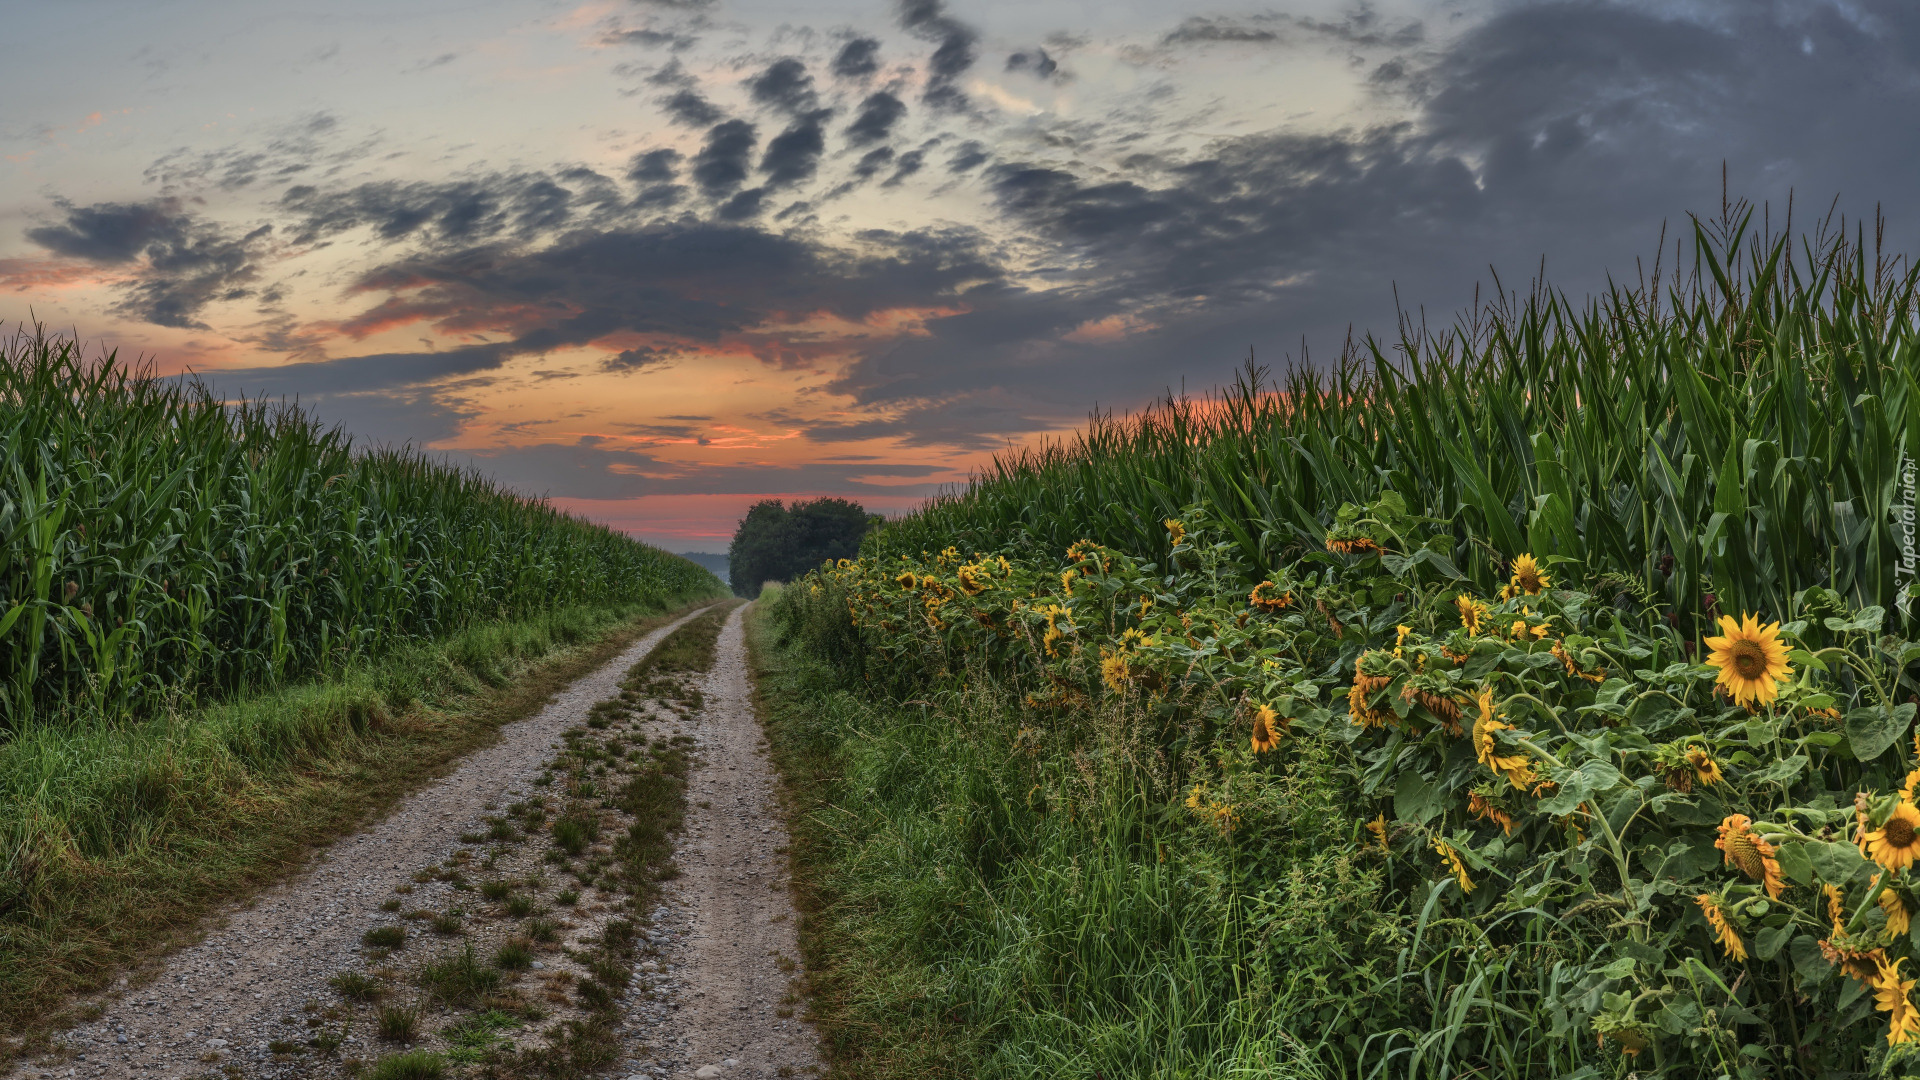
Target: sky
[{"x": 658, "y": 259}]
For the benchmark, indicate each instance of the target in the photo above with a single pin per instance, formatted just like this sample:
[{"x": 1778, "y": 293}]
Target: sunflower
[
  {"x": 1895, "y": 844},
  {"x": 1267, "y": 729},
  {"x": 1527, "y": 576},
  {"x": 1454, "y": 866},
  {"x": 1378, "y": 827},
  {"x": 1362, "y": 715},
  {"x": 1471, "y": 612},
  {"x": 1515, "y": 767},
  {"x": 1176, "y": 531},
  {"x": 1750, "y": 853},
  {"x": 1573, "y": 666},
  {"x": 1270, "y": 598},
  {"x": 1707, "y": 769},
  {"x": 906, "y": 580},
  {"x": 1486, "y": 809},
  {"x": 1752, "y": 659},
  {"x": 1836, "y": 907},
  {"x": 1890, "y": 996},
  {"x": 1723, "y": 931},
  {"x": 1861, "y": 964},
  {"x": 1114, "y": 671},
  {"x": 1899, "y": 919},
  {"x": 1352, "y": 545},
  {"x": 973, "y": 579},
  {"x": 1368, "y": 683},
  {"x": 1066, "y": 582}
]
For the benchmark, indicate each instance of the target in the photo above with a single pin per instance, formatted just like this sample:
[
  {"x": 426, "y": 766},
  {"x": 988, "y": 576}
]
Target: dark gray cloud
[
  {"x": 181, "y": 262},
  {"x": 1035, "y": 62},
  {"x": 636, "y": 359},
  {"x": 872, "y": 162},
  {"x": 956, "y": 49},
  {"x": 650, "y": 39},
  {"x": 689, "y": 108},
  {"x": 722, "y": 163},
  {"x": 968, "y": 155},
  {"x": 857, "y": 59},
  {"x": 463, "y": 211},
  {"x": 909, "y": 163},
  {"x": 654, "y": 167},
  {"x": 785, "y": 85},
  {"x": 878, "y": 113},
  {"x": 793, "y": 156}
]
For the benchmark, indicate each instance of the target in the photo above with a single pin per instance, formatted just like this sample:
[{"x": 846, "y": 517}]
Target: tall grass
[
  {"x": 1722, "y": 437},
  {"x": 160, "y": 547}
]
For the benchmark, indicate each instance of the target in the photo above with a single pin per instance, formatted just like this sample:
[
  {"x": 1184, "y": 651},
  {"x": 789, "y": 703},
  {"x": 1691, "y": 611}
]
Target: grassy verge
[
  {"x": 115, "y": 840},
  {"x": 957, "y": 921}
]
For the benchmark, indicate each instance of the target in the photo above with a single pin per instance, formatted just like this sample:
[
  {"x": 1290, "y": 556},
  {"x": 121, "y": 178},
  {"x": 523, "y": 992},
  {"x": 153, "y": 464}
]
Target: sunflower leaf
[
  {"x": 1871, "y": 730},
  {"x": 1832, "y": 862}
]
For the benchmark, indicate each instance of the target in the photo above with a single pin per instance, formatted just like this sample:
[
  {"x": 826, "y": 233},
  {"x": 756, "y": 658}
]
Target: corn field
[
  {"x": 1716, "y": 441},
  {"x": 160, "y": 546}
]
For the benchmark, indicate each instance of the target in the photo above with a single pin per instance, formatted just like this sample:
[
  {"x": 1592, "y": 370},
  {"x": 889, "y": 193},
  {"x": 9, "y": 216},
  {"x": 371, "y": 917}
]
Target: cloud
[
  {"x": 1037, "y": 62},
  {"x": 956, "y": 50},
  {"x": 598, "y": 468},
  {"x": 1359, "y": 27},
  {"x": 857, "y": 59},
  {"x": 180, "y": 263},
  {"x": 785, "y": 85},
  {"x": 793, "y": 156},
  {"x": 523, "y": 204},
  {"x": 689, "y": 108},
  {"x": 654, "y": 166},
  {"x": 635, "y": 359},
  {"x": 878, "y": 113},
  {"x": 649, "y": 38},
  {"x": 722, "y": 163}
]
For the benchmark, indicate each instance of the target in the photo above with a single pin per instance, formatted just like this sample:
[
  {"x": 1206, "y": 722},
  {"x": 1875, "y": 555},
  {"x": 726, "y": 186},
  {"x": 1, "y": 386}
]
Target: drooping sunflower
[
  {"x": 1517, "y": 768},
  {"x": 1723, "y": 931},
  {"x": 1364, "y": 715},
  {"x": 1369, "y": 672},
  {"x": 973, "y": 579},
  {"x": 1750, "y": 853},
  {"x": 1480, "y": 806},
  {"x": 1855, "y": 963},
  {"x": 1890, "y": 996},
  {"x": 1896, "y": 844},
  {"x": 1352, "y": 545},
  {"x": 1899, "y": 919},
  {"x": 1267, "y": 729},
  {"x": 1472, "y": 612},
  {"x": 1454, "y": 866},
  {"x": 1704, "y": 767},
  {"x": 1270, "y": 598},
  {"x": 1752, "y": 659},
  {"x": 1528, "y": 577}
]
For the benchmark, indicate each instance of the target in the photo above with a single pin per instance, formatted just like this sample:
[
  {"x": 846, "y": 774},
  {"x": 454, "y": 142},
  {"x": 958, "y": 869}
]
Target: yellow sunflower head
[
  {"x": 1752, "y": 659},
  {"x": 1176, "y": 531},
  {"x": 1378, "y": 827},
  {"x": 1750, "y": 853},
  {"x": 1723, "y": 931},
  {"x": 1528, "y": 577},
  {"x": 1896, "y": 844},
  {"x": 1707, "y": 769},
  {"x": 1454, "y": 864},
  {"x": 1899, "y": 919},
  {"x": 1890, "y": 996},
  {"x": 1267, "y": 728},
  {"x": 1471, "y": 612}
]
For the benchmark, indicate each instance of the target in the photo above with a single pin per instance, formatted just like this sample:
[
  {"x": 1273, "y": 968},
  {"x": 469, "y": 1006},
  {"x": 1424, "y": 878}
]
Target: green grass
[
  {"x": 953, "y": 929},
  {"x": 413, "y": 1065}
]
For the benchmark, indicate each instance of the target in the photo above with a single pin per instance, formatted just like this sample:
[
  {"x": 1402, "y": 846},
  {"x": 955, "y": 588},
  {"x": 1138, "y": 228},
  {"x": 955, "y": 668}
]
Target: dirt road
[{"x": 263, "y": 994}]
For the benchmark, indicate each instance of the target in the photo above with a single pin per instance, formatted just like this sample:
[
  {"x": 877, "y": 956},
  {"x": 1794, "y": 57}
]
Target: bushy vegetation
[
  {"x": 776, "y": 542},
  {"x": 159, "y": 546},
  {"x": 1413, "y": 726}
]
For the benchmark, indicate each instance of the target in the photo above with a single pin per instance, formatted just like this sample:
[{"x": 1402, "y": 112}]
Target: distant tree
[{"x": 779, "y": 543}]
